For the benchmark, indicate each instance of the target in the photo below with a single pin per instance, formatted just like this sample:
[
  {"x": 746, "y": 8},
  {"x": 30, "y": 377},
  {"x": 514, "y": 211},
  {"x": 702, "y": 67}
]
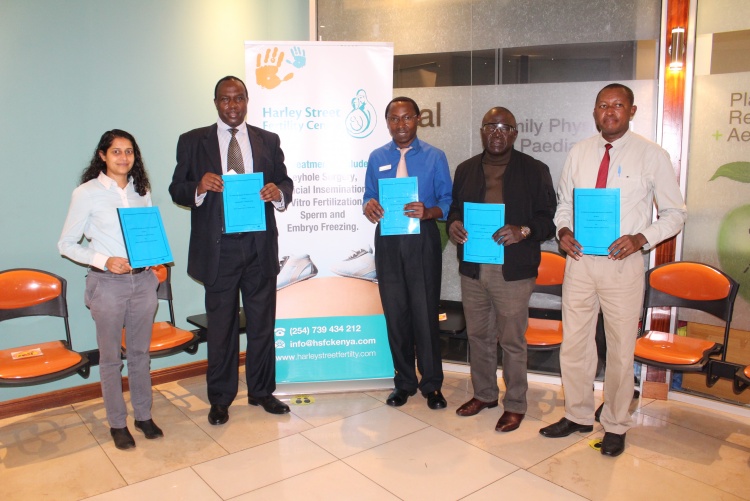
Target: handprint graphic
[
  {"x": 298, "y": 53},
  {"x": 266, "y": 70}
]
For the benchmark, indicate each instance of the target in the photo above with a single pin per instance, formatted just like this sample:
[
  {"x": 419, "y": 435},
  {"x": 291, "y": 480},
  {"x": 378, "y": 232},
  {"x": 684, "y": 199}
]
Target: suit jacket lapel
[
  {"x": 211, "y": 144},
  {"x": 256, "y": 143}
]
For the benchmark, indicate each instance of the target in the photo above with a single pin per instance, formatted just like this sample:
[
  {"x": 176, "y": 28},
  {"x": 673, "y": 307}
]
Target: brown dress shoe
[
  {"x": 509, "y": 421},
  {"x": 473, "y": 406}
]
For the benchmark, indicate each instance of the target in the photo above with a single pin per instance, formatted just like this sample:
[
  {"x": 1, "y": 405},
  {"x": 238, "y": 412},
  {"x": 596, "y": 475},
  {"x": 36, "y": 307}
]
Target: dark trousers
[
  {"x": 409, "y": 271},
  {"x": 240, "y": 272}
]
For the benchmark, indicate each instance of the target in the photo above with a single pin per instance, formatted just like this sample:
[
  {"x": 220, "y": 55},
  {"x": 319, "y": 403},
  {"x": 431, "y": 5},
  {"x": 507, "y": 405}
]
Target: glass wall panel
[
  {"x": 606, "y": 61},
  {"x": 545, "y": 61},
  {"x": 718, "y": 175}
]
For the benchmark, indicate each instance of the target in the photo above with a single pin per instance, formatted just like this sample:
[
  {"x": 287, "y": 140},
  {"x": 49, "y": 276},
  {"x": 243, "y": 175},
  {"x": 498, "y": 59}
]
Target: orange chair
[
  {"x": 546, "y": 333},
  {"x": 690, "y": 285},
  {"x": 25, "y": 293},
  {"x": 166, "y": 339}
]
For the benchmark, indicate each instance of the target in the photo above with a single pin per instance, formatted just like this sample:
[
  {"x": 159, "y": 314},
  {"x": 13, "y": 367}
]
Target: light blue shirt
[
  {"x": 427, "y": 163},
  {"x": 93, "y": 214}
]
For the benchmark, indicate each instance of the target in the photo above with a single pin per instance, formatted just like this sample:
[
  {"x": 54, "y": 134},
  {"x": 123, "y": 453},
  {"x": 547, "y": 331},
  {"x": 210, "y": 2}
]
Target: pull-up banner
[{"x": 326, "y": 100}]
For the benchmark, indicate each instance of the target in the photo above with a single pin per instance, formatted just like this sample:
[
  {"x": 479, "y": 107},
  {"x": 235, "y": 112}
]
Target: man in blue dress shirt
[{"x": 409, "y": 267}]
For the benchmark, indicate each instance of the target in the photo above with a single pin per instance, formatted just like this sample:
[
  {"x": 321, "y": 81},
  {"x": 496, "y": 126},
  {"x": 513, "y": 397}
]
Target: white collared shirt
[
  {"x": 643, "y": 172},
  {"x": 93, "y": 215},
  {"x": 243, "y": 138}
]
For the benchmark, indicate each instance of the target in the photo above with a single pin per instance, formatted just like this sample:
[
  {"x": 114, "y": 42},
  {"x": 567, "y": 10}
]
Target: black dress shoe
[
  {"x": 398, "y": 397},
  {"x": 435, "y": 400},
  {"x": 122, "y": 437},
  {"x": 613, "y": 444},
  {"x": 270, "y": 404},
  {"x": 149, "y": 429},
  {"x": 565, "y": 427},
  {"x": 509, "y": 421},
  {"x": 219, "y": 414}
]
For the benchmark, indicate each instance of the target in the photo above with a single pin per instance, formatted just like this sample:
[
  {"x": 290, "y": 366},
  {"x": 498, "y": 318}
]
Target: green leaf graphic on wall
[
  {"x": 737, "y": 171},
  {"x": 734, "y": 234}
]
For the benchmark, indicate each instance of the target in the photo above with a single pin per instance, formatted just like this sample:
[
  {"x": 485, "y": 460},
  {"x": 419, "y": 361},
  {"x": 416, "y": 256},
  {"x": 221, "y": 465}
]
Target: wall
[
  {"x": 71, "y": 70},
  {"x": 717, "y": 231}
]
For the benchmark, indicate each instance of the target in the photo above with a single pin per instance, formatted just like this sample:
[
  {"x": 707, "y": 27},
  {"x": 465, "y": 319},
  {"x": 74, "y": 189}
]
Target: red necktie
[{"x": 601, "y": 178}]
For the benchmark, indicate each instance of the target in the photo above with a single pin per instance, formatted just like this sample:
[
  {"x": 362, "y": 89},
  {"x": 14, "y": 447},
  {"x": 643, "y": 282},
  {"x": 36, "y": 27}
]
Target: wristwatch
[{"x": 525, "y": 231}]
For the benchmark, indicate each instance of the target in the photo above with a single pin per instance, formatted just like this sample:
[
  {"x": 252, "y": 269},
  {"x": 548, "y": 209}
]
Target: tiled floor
[{"x": 354, "y": 447}]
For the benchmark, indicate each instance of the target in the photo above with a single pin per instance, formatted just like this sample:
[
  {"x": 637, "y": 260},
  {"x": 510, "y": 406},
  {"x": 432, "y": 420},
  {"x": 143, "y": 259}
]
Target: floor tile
[
  {"x": 523, "y": 447},
  {"x": 522, "y": 486},
  {"x": 326, "y": 409},
  {"x": 363, "y": 431},
  {"x": 462, "y": 384},
  {"x": 353, "y": 446},
  {"x": 332, "y": 482},
  {"x": 263, "y": 465},
  {"x": 248, "y": 425},
  {"x": 430, "y": 464},
  {"x": 52, "y": 455},
  {"x": 184, "y": 485},
  {"x": 721, "y": 425},
  {"x": 586, "y": 472},
  {"x": 456, "y": 379},
  {"x": 701, "y": 457},
  {"x": 381, "y": 395},
  {"x": 416, "y": 407},
  {"x": 184, "y": 443}
]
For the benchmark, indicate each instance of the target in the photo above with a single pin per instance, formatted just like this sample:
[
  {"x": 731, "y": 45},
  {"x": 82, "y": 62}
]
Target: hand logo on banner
[
  {"x": 266, "y": 71},
  {"x": 298, "y": 53},
  {"x": 361, "y": 121}
]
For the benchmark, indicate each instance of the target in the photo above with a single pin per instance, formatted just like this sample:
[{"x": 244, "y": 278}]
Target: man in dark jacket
[
  {"x": 501, "y": 175},
  {"x": 232, "y": 263}
]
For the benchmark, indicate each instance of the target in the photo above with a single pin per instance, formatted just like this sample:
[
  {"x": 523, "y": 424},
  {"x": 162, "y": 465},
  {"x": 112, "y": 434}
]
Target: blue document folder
[
  {"x": 596, "y": 218},
  {"x": 243, "y": 208},
  {"x": 480, "y": 222},
  {"x": 144, "y": 235},
  {"x": 394, "y": 193}
]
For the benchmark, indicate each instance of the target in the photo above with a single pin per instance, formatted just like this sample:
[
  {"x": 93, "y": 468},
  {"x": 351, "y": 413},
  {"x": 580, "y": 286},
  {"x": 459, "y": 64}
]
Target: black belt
[
  {"x": 133, "y": 271},
  {"x": 235, "y": 236}
]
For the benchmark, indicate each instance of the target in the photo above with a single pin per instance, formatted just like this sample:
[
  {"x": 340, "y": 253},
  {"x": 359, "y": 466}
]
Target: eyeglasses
[
  {"x": 502, "y": 128},
  {"x": 406, "y": 119}
]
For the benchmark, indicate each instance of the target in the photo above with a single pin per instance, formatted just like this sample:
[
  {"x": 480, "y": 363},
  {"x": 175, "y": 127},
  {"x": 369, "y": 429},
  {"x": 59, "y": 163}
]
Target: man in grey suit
[{"x": 232, "y": 263}]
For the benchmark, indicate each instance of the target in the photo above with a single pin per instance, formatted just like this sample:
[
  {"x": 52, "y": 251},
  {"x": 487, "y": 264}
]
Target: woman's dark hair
[{"x": 97, "y": 165}]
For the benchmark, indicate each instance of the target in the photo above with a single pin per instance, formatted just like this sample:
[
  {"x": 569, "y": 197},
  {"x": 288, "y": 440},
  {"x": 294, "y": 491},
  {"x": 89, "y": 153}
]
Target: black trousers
[
  {"x": 240, "y": 272},
  {"x": 409, "y": 269}
]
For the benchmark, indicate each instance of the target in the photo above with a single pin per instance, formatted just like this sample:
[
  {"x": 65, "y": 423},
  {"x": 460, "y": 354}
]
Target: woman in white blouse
[{"x": 117, "y": 295}]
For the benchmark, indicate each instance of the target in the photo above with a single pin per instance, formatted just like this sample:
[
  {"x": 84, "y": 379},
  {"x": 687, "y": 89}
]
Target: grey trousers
[
  {"x": 130, "y": 301},
  {"x": 497, "y": 311}
]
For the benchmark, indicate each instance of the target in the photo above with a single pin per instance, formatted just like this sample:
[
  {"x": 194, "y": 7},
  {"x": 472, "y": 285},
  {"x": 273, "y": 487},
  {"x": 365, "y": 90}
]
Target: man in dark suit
[{"x": 230, "y": 263}]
